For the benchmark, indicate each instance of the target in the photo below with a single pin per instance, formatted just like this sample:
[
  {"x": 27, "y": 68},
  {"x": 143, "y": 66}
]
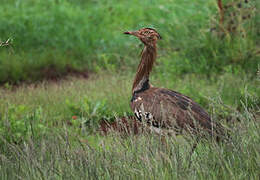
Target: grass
[
  {"x": 55, "y": 145},
  {"x": 116, "y": 91},
  {"x": 141, "y": 157}
]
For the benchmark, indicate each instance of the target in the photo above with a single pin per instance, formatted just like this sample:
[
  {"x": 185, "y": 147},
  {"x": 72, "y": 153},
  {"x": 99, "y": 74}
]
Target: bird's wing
[{"x": 170, "y": 108}]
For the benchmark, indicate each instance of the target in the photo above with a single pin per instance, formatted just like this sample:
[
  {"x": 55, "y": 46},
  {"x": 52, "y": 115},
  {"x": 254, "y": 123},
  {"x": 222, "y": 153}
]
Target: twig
[
  {"x": 6, "y": 43},
  {"x": 221, "y": 12},
  {"x": 221, "y": 16}
]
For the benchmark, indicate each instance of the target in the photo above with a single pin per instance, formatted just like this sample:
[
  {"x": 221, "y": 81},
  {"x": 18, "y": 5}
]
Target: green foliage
[
  {"x": 88, "y": 35},
  {"x": 89, "y": 113},
  {"x": 18, "y": 124}
]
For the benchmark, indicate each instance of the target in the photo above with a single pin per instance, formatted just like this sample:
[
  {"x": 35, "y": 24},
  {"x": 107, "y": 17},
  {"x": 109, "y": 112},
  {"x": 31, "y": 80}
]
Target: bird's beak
[{"x": 134, "y": 33}]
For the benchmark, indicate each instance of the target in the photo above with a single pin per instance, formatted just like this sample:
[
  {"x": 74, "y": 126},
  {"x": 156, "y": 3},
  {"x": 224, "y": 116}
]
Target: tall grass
[{"x": 67, "y": 156}]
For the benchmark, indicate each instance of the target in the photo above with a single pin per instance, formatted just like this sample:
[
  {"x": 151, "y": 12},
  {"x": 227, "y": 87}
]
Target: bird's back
[{"x": 166, "y": 108}]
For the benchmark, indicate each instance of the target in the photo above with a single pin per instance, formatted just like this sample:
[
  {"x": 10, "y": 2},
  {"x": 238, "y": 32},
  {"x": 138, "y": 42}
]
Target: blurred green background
[{"x": 57, "y": 36}]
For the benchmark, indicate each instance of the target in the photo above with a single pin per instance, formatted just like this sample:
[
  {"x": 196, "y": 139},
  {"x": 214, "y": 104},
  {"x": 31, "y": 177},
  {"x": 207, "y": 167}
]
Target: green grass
[
  {"x": 40, "y": 139},
  {"x": 56, "y": 98}
]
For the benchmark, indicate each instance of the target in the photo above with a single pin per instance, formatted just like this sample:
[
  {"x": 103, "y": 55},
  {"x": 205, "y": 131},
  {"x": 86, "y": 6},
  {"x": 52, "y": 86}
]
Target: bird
[{"x": 163, "y": 108}]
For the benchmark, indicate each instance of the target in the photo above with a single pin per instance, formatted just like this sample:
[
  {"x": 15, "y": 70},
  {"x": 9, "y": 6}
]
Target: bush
[
  {"x": 89, "y": 114},
  {"x": 19, "y": 124}
]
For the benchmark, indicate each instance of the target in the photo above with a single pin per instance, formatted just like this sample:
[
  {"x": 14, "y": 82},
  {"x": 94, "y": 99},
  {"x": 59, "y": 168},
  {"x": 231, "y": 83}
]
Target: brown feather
[
  {"x": 171, "y": 109},
  {"x": 148, "y": 57}
]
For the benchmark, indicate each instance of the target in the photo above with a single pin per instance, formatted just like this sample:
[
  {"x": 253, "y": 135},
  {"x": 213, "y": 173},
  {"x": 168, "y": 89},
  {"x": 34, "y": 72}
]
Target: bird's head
[{"x": 148, "y": 36}]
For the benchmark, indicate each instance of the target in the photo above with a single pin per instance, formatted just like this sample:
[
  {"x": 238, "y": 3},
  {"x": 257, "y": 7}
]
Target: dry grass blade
[{"x": 258, "y": 73}]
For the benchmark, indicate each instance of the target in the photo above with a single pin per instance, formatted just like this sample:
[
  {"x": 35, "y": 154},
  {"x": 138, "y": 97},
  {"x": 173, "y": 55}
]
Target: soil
[{"x": 49, "y": 74}]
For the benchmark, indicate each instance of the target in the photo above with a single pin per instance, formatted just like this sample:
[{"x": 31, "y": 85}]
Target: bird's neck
[{"x": 141, "y": 81}]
